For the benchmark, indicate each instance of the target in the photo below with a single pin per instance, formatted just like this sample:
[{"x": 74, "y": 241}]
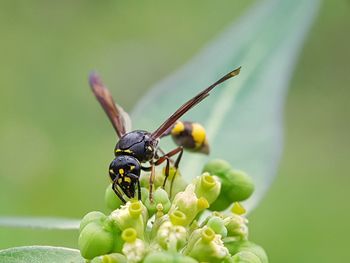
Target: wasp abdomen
[{"x": 190, "y": 135}]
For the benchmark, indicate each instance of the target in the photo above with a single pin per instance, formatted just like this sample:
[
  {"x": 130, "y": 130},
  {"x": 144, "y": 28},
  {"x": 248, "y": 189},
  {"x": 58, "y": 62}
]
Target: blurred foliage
[{"x": 56, "y": 141}]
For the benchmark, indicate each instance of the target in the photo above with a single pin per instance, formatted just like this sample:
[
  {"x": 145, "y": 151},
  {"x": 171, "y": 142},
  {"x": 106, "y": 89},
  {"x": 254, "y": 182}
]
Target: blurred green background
[{"x": 55, "y": 141}]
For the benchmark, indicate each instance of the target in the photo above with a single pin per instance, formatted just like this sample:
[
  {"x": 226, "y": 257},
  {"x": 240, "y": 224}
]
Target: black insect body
[
  {"x": 124, "y": 171},
  {"x": 137, "y": 147},
  {"x": 139, "y": 144},
  {"x": 132, "y": 149}
]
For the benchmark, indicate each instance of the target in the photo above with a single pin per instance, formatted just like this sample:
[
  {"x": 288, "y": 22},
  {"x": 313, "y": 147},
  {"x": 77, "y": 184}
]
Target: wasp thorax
[
  {"x": 139, "y": 144},
  {"x": 125, "y": 171}
]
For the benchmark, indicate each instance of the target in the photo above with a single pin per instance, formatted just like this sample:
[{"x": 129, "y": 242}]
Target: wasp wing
[
  {"x": 118, "y": 117},
  {"x": 191, "y": 103},
  {"x": 126, "y": 118}
]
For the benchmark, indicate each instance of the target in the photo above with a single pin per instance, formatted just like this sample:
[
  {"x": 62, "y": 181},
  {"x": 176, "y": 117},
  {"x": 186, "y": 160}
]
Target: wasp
[{"x": 137, "y": 148}]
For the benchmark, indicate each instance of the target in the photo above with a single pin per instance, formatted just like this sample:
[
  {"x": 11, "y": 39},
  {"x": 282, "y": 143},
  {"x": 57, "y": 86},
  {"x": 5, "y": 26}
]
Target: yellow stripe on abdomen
[
  {"x": 198, "y": 134},
  {"x": 178, "y": 128}
]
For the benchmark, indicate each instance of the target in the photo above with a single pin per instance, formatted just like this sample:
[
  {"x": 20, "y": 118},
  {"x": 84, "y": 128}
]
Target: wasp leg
[
  {"x": 162, "y": 153},
  {"x": 167, "y": 170},
  {"x": 161, "y": 160},
  {"x": 151, "y": 179},
  {"x": 116, "y": 191},
  {"x": 138, "y": 190},
  {"x": 176, "y": 166},
  {"x": 136, "y": 178},
  {"x": 166, "y": 157},
  {"x": 151, "y": 182}
]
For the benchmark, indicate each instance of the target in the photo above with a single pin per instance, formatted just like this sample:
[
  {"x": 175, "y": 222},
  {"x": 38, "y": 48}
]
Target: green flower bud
[
  {"x": 159, "y": 257},
  {"x": 111, "y": 199},
  {"x": 209, "y": 247},
  {"x": 245, "y": 257},
  {"x": 221, "y": 203},
  {"x": 217, "y": 224},
  {"x": 171, "y": 234},
  {"x": 134, "y": 215},
  {"x": 217, "y": 167},
  {"x": 208, "y": 187},
  {"x": 160, "y": 196},
  {"x": 144, "y": 194},
  {"x": 236, "y": 226},
  {"x": 95, "y": 240},
  {"x": 235, "y": 186},
  {"x": 188, "y": 203},
  {"x": 167, "y": 257},
  {"x": 94, "y": 216},
  {"x": 110, "y": 258},
  {"x": 144, "y": 180},
  {"x": 246, "y": 246},
  {"x": 242, "y": 184},
  {"x": 134, "y": 249}
]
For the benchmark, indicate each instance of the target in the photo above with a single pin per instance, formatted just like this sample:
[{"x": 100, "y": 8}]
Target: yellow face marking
[
  {"x": 121, "y": 171},
  {"x": 132, "y": 167},
  {"x": 179, "y": 127},
  {"x": 123, "y": 151},
  {"x": 127, "y": 179},
  {"x": 111, "y": 171},
  {"x": 120, "y": 180},
  {"x": 198, "y": 134}
]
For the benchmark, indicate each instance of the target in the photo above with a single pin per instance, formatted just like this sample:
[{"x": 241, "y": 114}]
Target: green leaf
[
  {"x": 244, "y": 116},
  {"x": 37, "y": 254},
  {"x": 40, "y": 222}
]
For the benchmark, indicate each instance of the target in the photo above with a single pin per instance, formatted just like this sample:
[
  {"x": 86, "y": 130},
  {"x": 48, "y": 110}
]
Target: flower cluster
[{"x": 184, "y": 227}]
